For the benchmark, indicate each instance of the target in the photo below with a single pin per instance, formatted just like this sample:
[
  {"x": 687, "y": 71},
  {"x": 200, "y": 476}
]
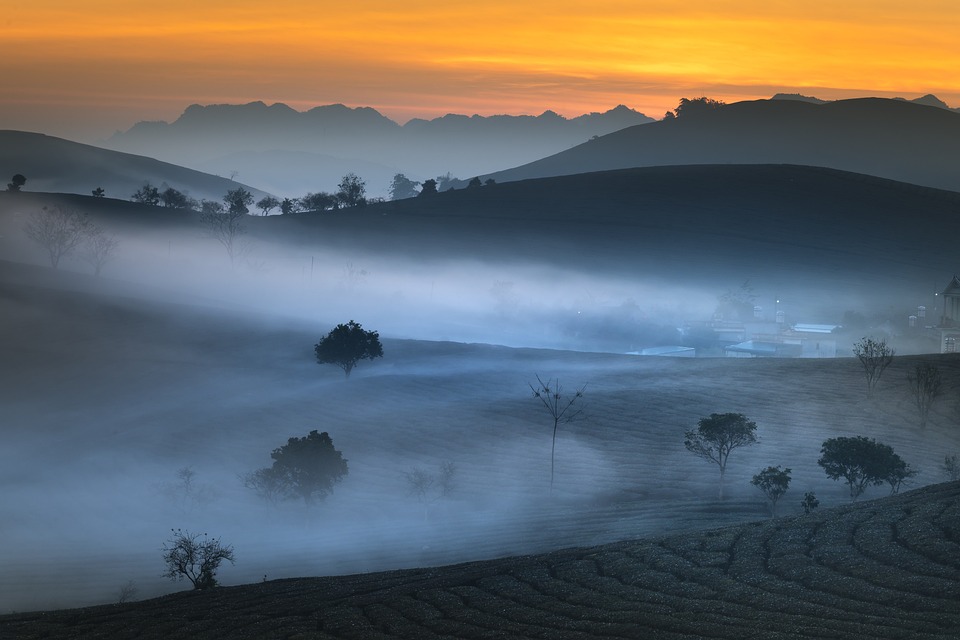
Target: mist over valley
[{"x": 182, "y": 356}]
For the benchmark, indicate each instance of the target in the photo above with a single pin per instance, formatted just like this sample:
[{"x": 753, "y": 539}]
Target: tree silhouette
[
  {"x": 875, "y": 356},
  {"x": 304, "y": 468},
  {"x": 348, "y": 344},
  {"x": 428, "y": 188},
  {"x": 773, "y": 482},
  {"x": 147, "y": 194},
  {"x": 267, "y": 204},
  {"x": 862, "y": 462},
  {"x": 225, "y": 225},
  {"x": 16, "y": 182},
  {"x": 98, "y": 192},
  {"x": 174, "y": 199},
  {"x": 59, "y": 231},
  {"x": 402, "y": 187},
  {"x": 560, "y": 408},
  {"x": 717, "y": 436},
  {"x": 187, "y": 555},
  {"x": 925, "y": 383},
  {"x": 238, "y": 200},
  {"x": 351, "y": 191}
]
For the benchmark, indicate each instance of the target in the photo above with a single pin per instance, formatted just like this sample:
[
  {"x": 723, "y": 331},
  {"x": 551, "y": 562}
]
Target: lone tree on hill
[
  {"x": 195, "y": 557},
  {"x": 60, "y": 231},
  {"x": 925, "y": 383},
  {"x": 875, "y": 356},
  {"x": 348, "y": 344},
  {"x": 560, "y": 408},
  {"x": 428, "y": 188},
  {"x": 16, "y": 182},
  {"x": 98, "y": 192},
  {"x": 304, "y": 468},
  {"x": 774, "y": 482},
  {"x": 717, "y": 436},
  {"x": 863, "y": 462}
]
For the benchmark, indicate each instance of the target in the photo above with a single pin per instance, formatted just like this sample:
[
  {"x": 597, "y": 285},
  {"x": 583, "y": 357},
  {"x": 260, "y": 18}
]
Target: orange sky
[{"x": 84, "y": 68}]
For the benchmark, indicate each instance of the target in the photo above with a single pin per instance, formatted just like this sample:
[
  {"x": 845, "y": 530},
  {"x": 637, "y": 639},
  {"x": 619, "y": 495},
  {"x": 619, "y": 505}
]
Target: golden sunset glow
[{"x": 109, "y": 63}]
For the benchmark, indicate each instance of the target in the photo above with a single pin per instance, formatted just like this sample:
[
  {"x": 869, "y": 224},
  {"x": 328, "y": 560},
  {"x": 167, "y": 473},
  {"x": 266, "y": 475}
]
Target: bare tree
[
  {"x": 226, "y": 226},
  {"x": 60, "y": 231},
  {"x": 195, "y": 557},
  {"x": 717, "y": 436},
  {"x": 875, "y": 356},
  {"x": 925, "y": 383},
  {"x": 99, "y": 248},
  {"x": 560, "y": 407}
]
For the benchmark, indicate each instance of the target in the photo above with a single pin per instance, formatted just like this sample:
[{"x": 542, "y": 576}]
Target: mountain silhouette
[
  {"x": 894, "y": 139},
  {"x": 221, "y": 138}
]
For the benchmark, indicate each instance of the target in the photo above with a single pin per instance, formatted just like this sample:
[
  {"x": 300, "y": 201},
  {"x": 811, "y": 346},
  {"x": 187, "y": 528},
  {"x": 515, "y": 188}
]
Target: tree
[
  {"x": 559, "y": 407},
  {"x": 304, "y": 468},
  {"x": 428, "y": 188},
  {"x": 225, "y": 225},
  {"x": 348, "y": 344},
  {"x": 773, "y": 482},
  {"x": 951, "y": 467},
  {"x": 16, "y": 182},
  {"x": 717, "y": 436},
  {"x": 289, "y": 206},
  {"x": 147, "y": 194},
  {"x": 402, "y": 187},
  {"x": 237, "y": 201},
  {"x": 875, "y": 356},
  {"x": 173, "y": 199},
  {"x": 809, "y": 502},
  {"x": 267, "y": 204},
  {"x": 446, "y": 182},
  {"x": 474, "y": 183},
  {"x": 862, "y": 462},
  {"x": 925, "y": 383},
  {"x": 98, "y": 192},
  {"x": 59, "y": 231},
  {"x": 697, "y": 106},
  {"x": 195, "y": 557},
  {"x": 351, "y": 191},
  {"x": 99, "y": 248},
  {"x": 320, "y": 201}
]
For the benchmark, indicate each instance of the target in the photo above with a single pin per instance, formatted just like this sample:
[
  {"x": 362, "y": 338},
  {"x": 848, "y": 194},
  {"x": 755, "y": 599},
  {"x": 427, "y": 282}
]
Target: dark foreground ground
[{"x": 885, "y": 569}]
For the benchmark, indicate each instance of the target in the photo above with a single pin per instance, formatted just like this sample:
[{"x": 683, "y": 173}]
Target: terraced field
[{"x": 885, "y": 569}]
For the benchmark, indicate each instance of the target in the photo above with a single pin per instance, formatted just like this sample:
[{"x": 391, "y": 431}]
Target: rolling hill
[
  {"x": 652, "y": 246},
  {"x": 893, "y": 139},
  {"x": 882, "y": 570},
  {"x": 55, "y": 165}
]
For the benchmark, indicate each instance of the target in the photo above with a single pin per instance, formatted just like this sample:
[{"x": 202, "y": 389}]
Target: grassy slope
[{"x": 885, "y": 569}]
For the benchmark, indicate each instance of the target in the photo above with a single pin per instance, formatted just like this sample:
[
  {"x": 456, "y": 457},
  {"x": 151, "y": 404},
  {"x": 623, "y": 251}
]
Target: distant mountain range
[
  {"x": 896, "y": 139},
  {"x": 56, "y": 165},
  {"x": 289, "y": 152}
]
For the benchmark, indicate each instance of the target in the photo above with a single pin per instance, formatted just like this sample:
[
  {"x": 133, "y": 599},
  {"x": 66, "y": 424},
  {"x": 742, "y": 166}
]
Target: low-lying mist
[{"x": 177, "y": 359}]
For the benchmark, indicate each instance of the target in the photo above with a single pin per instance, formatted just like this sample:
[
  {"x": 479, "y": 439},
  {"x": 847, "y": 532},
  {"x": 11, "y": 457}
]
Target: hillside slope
[
  {"x": 886, "y": 569},
  {"x": 887, "y": 138},
  {"x": 57, "y": 165}
]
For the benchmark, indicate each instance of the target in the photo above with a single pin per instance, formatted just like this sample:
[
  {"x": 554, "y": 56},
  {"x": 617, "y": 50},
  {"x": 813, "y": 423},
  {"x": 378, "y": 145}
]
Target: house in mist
[{"x": 949, "y": 326}]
